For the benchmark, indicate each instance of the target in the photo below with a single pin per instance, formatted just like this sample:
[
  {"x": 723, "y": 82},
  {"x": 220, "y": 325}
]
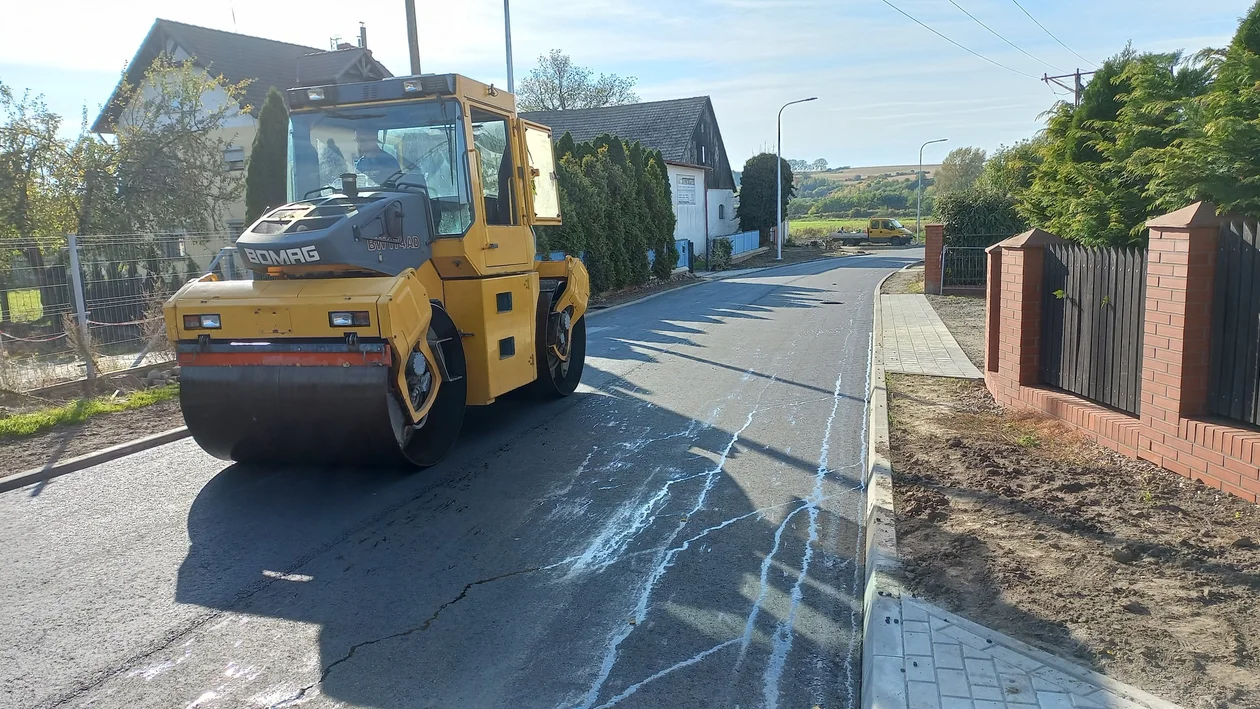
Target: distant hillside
[
  {"x": 857, "y": 192},
  {"x": 861, "y": 174}
]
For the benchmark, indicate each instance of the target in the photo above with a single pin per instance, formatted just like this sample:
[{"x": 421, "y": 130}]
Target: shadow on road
[{"x": 569, "y": 553}]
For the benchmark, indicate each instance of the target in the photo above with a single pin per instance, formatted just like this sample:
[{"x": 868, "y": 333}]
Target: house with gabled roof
[
  {"x": 686, "y": 132},
  {"x": 237, "y": 57}
]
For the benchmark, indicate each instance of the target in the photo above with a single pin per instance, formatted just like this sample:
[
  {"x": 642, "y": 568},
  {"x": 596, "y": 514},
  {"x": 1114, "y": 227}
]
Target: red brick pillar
[
  {"x": 1017, "y": 272},
  {"x": 1176, "y": 344},
  {"x": 935, "y": 236}
]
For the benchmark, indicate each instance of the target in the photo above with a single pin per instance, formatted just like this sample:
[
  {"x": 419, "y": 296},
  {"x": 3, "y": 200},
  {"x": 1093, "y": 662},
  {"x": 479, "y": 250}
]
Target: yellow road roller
[{"x": 398, "y": 286}]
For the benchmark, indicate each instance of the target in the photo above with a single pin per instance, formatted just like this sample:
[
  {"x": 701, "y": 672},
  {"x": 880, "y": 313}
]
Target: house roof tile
[
  {"x": 666, "y": 126},
  {"x": 237, "y": 57}
]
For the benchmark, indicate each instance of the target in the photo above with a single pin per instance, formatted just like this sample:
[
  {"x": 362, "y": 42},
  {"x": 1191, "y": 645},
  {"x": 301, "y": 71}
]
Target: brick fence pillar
[
  {"x": 934, "y": 246},
  {"x": 1176, "y": 343},
  {"x": 1017, "y": 271}
]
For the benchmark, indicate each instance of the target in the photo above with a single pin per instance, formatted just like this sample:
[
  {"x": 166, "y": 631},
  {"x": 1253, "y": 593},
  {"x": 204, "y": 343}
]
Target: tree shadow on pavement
[{"x": 597, "y": 550}]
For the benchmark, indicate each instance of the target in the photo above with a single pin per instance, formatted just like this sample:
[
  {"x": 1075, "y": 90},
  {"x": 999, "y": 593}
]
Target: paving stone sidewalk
[
  {"x": 915, "y": 341},
  {"x": 942, "y": 661}
]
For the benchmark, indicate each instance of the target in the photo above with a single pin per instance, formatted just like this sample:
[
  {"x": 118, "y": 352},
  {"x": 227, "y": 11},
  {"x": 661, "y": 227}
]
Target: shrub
[
  {"x": 616, "y": 204},
  {"x": 976, "y": 217},
  {"x": 721, "y": 256}
]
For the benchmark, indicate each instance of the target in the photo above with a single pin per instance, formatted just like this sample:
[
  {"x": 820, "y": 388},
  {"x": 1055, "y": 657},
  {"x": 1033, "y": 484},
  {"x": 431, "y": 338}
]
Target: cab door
[
  {"x": 496, "y": 149},
  {"x": 542, "y": 183}
]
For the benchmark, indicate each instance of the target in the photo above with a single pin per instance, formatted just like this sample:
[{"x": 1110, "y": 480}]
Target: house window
[
  {"x": 721, "y": 211},
  {"x": 686, "y": 190},
  {"x": 234, "y": 159},
  {"x": 701, "y": 154}
]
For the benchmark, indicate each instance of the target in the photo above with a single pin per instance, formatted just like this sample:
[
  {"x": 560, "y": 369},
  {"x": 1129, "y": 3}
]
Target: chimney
[
  {"x": 344, "y": 45},
  {"x": 363, "y": 35}
]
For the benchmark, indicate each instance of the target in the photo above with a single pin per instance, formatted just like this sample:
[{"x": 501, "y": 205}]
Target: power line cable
[
  {"x": 999, "y": 36},
  {"x": 947, "y": 39},
  {"x": 1043, "y": 29}
]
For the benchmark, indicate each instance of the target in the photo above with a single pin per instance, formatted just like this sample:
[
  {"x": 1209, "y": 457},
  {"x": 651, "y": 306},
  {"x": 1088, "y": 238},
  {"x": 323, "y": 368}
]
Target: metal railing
[
  {"x": 743, "y": 242},
  {"x": 73, "y": 305},
  {"x": 963, "y": 267}
]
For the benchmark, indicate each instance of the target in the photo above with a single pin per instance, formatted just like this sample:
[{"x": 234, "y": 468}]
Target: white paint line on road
[
  {"x": 676, "y": 666},
  {"x": 666, "y": 559},
  {"x": 783, "y": 632}
]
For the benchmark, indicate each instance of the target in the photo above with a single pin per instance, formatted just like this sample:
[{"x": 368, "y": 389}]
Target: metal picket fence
[{"x": 97, "y": 294}]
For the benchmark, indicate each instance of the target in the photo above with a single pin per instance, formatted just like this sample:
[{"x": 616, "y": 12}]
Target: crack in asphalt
[
  {"x": 96, "y": 679},
  {"x": 301, "y": 693},
  {"x": 168, "y": 639}
]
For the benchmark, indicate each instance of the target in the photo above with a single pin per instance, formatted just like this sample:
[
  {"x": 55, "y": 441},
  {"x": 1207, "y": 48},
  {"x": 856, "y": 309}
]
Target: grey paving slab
[
  {"x": 915, "y": 341},
  {"x": 994, "y": 672}
]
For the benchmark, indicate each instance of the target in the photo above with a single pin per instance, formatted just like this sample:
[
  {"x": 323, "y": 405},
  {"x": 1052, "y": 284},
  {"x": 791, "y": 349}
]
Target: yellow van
[{"x": 881, "y": 230}]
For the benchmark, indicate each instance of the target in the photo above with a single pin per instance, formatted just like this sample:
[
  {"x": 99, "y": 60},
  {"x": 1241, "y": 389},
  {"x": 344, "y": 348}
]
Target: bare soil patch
[
  {"x": 964, "y": 318},
  {"x": 1017, "y": 522},
  {"x": 101, "y": 431},
  {"x": 907, "y": 282}
]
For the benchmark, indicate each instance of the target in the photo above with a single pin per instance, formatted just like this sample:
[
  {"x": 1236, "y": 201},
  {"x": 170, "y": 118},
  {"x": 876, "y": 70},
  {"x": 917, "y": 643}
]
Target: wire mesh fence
[{"x": 118, "y": 290}]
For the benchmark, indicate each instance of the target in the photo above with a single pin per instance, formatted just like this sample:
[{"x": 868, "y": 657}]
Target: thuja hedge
[{"x": 616, "y": 204}]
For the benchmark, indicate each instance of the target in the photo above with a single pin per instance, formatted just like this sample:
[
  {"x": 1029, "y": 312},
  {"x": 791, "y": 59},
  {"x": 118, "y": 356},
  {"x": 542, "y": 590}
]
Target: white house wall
[
  {"x": 722, "y": 219},
  {"x": 687, "y": 184}
]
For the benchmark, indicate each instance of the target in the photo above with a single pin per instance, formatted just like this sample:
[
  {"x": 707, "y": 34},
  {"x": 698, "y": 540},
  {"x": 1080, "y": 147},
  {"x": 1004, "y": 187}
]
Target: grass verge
[{"x": 77, "y": 411}]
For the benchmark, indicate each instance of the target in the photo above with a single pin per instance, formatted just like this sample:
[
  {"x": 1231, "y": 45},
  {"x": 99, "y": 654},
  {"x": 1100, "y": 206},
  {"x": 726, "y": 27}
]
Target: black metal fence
[
  {"x": 1093, "y": 317},
  {"x": 963, "y": 267},
  {"x": 1234, "y": 390}
]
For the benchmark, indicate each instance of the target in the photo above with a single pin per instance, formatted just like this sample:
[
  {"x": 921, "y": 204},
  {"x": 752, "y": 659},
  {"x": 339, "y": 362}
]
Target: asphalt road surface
[{"x": 684, "y": 531}]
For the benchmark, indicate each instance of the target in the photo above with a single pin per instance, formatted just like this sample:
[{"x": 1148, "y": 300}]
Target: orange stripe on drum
[{"x": 285, "y": 359}]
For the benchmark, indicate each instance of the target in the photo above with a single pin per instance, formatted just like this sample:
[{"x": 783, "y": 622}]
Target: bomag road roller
[{"x": 396, "y": 288}]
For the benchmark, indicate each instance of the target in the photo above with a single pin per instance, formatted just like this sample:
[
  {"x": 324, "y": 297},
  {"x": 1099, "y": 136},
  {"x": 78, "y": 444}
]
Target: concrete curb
[
  {"x": 881, "y": 604},
  {"x": 702, "y": 281},
  {"x": 12, "y": 482}
]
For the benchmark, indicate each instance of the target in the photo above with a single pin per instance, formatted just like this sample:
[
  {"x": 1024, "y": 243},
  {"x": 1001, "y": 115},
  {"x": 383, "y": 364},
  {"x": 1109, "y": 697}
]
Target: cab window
[{"x": 492, "y": 140}]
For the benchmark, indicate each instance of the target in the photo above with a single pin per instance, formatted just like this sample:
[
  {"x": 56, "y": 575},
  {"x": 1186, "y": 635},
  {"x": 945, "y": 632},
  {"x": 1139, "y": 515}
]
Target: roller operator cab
[{"x": 397, "y": 286}]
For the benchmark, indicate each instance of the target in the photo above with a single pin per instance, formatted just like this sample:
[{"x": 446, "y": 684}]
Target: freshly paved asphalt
[{"x": 682, "y": 532}]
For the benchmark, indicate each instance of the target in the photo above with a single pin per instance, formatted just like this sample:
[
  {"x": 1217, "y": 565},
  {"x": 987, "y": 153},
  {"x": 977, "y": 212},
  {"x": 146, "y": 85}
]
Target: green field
[
  {"x": 823, "y": 227},
  {"x": 829, "y": 225}
]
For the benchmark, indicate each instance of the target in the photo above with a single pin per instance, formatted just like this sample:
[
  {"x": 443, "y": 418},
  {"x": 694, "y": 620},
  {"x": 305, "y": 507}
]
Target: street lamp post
[
  {"x": 918, "y": 209},
  {"x": 778, "y": 166},
  {"x": 507, "y": 33}
]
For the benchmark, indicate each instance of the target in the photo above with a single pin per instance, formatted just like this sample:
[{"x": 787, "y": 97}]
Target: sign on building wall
[{"x": 686, "y": 192}]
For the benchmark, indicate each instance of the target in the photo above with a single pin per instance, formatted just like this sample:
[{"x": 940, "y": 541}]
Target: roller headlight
[
  {"x": 355, "y": 318},
  {"x": 202, "y": 322}
]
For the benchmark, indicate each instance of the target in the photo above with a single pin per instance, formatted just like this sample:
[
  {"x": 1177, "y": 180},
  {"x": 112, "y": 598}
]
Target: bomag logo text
[{"x": 286, "y": 257}]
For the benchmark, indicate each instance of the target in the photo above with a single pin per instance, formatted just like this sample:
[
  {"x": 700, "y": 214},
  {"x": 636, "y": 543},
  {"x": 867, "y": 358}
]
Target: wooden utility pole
[{"x": 1077, "y": 88}]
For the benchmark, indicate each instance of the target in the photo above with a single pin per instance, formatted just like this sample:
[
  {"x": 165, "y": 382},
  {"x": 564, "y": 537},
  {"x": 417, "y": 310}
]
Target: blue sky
[{"x": 884, "y": 84}]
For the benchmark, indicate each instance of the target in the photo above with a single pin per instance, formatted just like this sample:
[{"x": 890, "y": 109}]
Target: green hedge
[{"x": 616, "y": 204}]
